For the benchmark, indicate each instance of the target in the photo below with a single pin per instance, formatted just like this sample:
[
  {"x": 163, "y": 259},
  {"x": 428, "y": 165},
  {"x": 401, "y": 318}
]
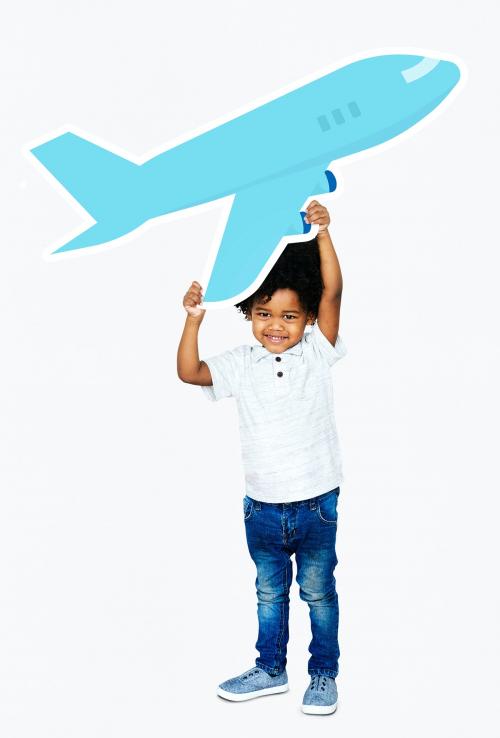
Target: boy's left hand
[{"x": 317, "y": 214}]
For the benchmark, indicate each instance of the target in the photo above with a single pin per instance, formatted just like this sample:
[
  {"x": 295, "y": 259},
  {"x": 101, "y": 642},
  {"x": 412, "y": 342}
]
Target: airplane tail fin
[{"x": 102, "y": 182}]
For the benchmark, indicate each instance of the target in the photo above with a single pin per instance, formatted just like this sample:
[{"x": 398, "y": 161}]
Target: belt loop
[
  {"x": 312, "y": 503},
  {"x": 257, "y": 504}
]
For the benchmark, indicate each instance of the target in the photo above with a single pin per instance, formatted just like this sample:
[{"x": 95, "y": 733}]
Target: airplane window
[
  {"x": 323, "y": 122},
  {"x": 338, "y": 116},
  {"x": 354, "y": 109}
]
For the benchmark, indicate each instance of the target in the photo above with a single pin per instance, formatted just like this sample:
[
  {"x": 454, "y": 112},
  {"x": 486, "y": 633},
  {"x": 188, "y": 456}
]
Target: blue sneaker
[
  {"x": 252, "y": 683},
  {"x": 320, "y": 697}
]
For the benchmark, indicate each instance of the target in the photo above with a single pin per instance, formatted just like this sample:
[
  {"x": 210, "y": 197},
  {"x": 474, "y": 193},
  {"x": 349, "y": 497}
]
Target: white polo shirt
[{"x": 289, "y": 442}]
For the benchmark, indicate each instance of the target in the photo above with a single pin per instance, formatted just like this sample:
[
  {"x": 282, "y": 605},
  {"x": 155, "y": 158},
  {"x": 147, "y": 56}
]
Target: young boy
[{"x": 290, "y": 451}]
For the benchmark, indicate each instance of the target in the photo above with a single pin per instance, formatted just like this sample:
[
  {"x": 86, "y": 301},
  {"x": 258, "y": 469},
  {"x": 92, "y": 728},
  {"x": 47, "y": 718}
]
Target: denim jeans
[{"x": 275, "y": 531}]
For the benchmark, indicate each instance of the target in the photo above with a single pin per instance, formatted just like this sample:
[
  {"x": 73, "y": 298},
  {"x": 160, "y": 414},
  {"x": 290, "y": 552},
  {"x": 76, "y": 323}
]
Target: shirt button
[
  {"x": 280, "y": 374},
  {"x": 278, "y": 358}
]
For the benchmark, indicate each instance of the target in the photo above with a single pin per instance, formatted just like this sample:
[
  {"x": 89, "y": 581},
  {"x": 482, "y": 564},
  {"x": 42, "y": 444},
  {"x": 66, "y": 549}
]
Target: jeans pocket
[
  {"x": 327, "y": 508},
  {"x": 247, "y": 507}
]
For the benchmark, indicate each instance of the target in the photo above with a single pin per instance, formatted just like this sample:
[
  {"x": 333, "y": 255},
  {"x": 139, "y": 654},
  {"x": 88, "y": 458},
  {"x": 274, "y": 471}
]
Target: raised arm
[
  {"x": 329, "y": 307},
  {"x": 189, "y": 367}
]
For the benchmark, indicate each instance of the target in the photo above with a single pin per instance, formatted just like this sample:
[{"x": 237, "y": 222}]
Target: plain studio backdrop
[{"x": 127, "y": 591}]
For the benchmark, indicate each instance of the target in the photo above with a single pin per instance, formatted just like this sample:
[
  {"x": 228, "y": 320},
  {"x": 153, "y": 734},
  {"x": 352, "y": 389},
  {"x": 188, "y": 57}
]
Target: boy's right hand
[{"x": 192, "y": 298}]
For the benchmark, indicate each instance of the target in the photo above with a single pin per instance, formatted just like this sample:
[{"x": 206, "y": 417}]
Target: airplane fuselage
[{"x": 351, "y": 109}]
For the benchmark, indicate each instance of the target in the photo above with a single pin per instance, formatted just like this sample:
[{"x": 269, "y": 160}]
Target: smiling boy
[{"x": 290, "y": 452}]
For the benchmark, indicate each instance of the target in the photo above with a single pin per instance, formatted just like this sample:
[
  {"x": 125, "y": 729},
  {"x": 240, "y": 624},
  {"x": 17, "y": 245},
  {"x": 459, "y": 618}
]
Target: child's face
[{"x": 281, "y": 316}]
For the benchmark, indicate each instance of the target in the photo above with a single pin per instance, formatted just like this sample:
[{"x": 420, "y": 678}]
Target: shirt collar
[{"x": 260, "y": 352}]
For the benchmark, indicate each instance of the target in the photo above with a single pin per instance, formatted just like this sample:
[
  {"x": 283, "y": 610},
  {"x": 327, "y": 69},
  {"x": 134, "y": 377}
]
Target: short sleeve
[
  {"x": 324, "y": 348},
  {"x": 226, "y": 370}
]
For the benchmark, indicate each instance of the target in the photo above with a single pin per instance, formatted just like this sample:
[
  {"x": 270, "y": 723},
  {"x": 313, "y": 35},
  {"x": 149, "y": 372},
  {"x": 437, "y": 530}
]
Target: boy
[{"x": 290, "y": 451}]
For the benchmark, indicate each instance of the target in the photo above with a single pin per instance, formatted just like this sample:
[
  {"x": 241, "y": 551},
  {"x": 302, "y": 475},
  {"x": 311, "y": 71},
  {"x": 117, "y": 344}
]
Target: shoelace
[
  {"x": 251, "y": 673},
  {"x": 315, "y": 682}
]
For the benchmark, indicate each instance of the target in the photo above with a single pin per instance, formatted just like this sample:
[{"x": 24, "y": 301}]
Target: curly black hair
[{"x": 298, "y": 268}]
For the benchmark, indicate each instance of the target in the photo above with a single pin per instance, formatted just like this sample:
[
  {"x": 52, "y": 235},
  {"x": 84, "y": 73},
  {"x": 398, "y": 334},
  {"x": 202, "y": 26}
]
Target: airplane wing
[{"x": 261, "y": 217}]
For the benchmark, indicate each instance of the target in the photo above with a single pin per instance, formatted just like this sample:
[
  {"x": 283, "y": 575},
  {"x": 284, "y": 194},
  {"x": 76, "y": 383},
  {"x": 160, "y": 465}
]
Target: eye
[{"x": 263, "y": 314}]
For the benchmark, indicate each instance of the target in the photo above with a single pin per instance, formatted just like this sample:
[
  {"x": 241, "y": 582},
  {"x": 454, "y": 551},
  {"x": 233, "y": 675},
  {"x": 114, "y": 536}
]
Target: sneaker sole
[
  {"x": 319, "y": 709},
  {"x": 240, "y": 696}
]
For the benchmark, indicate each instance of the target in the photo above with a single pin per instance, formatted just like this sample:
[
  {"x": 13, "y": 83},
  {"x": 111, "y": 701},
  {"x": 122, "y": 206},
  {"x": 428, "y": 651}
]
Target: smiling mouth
[{"x": 275, "y": 339}]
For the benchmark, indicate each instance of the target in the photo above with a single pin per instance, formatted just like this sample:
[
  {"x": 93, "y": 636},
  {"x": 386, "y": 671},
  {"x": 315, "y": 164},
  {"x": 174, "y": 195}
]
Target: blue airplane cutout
[{"x": 270, "y": 159}]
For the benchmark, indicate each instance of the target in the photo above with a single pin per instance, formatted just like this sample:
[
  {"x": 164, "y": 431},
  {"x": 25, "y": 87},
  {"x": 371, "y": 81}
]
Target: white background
[{"x": 127, "y": 591}]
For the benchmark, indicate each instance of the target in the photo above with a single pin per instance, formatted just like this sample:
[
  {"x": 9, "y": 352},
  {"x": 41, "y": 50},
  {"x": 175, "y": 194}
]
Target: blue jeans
[{"x": 275, "y": 531}]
